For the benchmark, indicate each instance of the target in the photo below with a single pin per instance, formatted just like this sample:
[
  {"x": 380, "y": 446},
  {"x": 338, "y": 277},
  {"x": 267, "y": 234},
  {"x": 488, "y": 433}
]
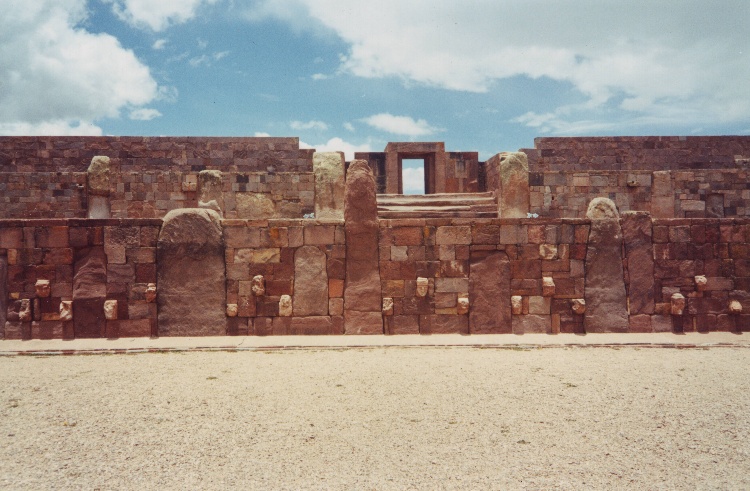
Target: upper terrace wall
[{"x": 577, "y": 154}]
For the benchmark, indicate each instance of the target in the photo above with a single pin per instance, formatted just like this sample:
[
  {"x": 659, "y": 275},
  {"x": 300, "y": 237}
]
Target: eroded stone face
[
  {"x": 232, "y": 309},
  {"x": 548, "y": 286},
  {"x": 700, "y": 283},
  {"x": 24, "y": 312},
  {"x": 462, "y": 305},
  {"x": 423, "y": 285},
  {"x": 210, "y": 187},
  {"x": 387, "y": 306},
  {"x": 735, "y": 307},
  {"x": 42, "y": 288},
  {"x": 150, "y": 293},
  {"x": 547, "y": 251},
  {"x": 678, "y": 303},
  {"x": 110, "y": 310},
  {"x": 516, "y": 304},
  {"x": 329, "y": 185},
  {"x": 66, "y": 310},
  {"x": 258, "y": 285},
  {"x": 578, "y": 305},
  {"x": 285, "y": 306},
  {"x": 513, "y": 199},
  {"x": 602, "y": 209},
  {"x": 98, "y": 176}
]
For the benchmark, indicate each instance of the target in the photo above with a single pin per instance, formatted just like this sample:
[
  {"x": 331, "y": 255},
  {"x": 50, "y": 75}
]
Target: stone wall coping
[
  {"x": 278, "y": 222},
  {"x": 79, "y": 222}
]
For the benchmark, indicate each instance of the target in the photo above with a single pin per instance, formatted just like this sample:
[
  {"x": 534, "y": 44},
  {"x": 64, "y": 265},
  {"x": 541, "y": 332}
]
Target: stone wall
[{"x": 581, "y": 154}]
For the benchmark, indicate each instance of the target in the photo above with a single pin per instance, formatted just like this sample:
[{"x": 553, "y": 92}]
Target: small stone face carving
[
  {"x": 548, "y": 286},
  {"x": 190, "y": 183},
  {"x": 516, "y": 304},
  {"x": 388, "y": 306},
  {"x": 678, "y": 303},
  {"x": 259, "y": 285},
  {"x": 700, "y": 283},
  {"x": 151, "y": 293},
  {"x": 285, "y": 306},
  {"x": 548, "y": 251},
  {"x": 66, "y": 310},
  {"x": 735, "y": 307},
  {"x": 42, "y": 288},
  {"x": 462, "y": 306},
  {"x": 578, "y": 305},
  {"x": 110, "y": 310},
  {"x": 423, "y": 285},
  {"x": 24, "y": 313},
  {"x": 232, "y": 309}
]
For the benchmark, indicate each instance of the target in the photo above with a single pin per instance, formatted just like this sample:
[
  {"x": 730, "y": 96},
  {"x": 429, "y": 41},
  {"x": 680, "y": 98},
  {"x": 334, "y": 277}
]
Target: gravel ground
[{"x": 385, "y": 418}]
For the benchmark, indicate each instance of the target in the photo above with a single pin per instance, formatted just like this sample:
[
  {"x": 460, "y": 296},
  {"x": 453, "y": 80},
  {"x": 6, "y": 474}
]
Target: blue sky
[{"x": 486, "y": 76}]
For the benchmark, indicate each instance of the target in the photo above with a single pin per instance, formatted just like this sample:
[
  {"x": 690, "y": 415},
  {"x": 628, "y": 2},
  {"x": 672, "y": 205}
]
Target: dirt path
[{"x": 394, "y": 418}]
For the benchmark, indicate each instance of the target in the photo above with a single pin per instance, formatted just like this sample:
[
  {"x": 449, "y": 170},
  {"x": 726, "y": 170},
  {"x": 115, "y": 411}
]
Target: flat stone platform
[{"x": 250, "y": 343}]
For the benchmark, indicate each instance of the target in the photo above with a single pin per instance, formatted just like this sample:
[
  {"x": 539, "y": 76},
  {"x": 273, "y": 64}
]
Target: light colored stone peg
[
  {"x": 151, "y": 293},
  {"x": 232, "y": 309},
  {"x": 42, "y": 288},
  {"x": 190, "y": 183},
  {"x": 548, "y": 286},
  {"x": 678, "y": 303},
  {"x": 259, "y": 285},
  {"x": 578, "y": 305},
  {"x": 548, "y": 251},
  {"x": 700, "y": 283},
  {"x": 423, "y": 285},
  {"x": 516, "y": 304},
  {"x": 462, "y": 306},
  {"x": 110, "y": 310},
  {"x": 66, "y": 310},
  {"x": 387, "y": 306},
  {"x": 285, "y": 306},
  {"x": 735, "y": 307},
  {"x": 24, "y": 313}
]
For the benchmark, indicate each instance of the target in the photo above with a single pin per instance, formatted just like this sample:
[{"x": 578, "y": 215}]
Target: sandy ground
[{"x": 381, "y": 418}]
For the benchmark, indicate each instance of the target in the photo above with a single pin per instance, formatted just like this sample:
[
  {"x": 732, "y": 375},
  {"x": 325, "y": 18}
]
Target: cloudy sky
[{"x": 354, "y": 74}]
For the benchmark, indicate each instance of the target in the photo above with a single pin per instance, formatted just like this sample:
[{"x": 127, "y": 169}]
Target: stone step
[
  {"x": 444, "y": 205},
  {"x": 434, "y": 199},
  {"x": 437, "y": 214}
]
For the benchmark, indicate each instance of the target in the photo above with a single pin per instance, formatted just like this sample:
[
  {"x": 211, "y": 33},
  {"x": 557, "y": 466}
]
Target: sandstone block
[
  {"x": 43, "y": 288},
  {"x": 489, "y": 294},
  {"x": 328, "y": 168},
  {"x": 532, "y": 324},
  {"x": 548, "y": 286},
  {"x": 548, "y": 251},
  {"x": 677, "y": 304},
  {"x": 423, "y": 285},
  {"x": 516, "y": 304},
  {"x": 210, "y": 188},
  {"x": 462, "y": 304},
  {"x": 232, "y": 309},
  {"x": 387, "y": 306},
  {"x": 637, "y": 239},
  {"x": 254, "y": 206},
  {"x": 191, "y": 274},
  {"x": 700, "y": 283},
  {"x": 336, "y": 306},
  {"x": 578, "y": 306},
  {"x": 285, "y": 306},
  {"x": 98, "y": 176},
  {"x": 110, "y": 310},
  {"x": 513, "y": 193},
  {"x": 66, "y": 310},
  {"x": 310, "y": 282},
  {"x": 258, "y": 286}
]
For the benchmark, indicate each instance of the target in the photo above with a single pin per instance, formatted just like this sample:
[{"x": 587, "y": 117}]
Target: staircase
[{"x": 448, "y": 205}]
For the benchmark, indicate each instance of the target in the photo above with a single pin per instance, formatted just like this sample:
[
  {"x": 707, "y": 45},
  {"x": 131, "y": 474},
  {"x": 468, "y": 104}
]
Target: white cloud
[
  {"x": 55, "y": 128},
  {"x": 58, "y": 77},
  {"x": 309, "y": 125},
  {"x": 159, "y": 44},
  {"x": 337, "y": 144},
  {"x": 349, "y": 127},
  {"x": 687, "y": 58},
  {"x": 400, "y": 125},
  {"x": 319, "y": 76},
  {"x": 261, "y": 134},
  {"x": 144, "y": 114},
  {"x": 207, "y": 60},
  {"x": 413, "y": 180},
  {"x": 157, "y": 14}
]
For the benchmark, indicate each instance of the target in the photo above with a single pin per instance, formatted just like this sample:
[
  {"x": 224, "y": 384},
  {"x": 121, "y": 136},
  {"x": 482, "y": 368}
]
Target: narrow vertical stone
[
  {"x": 3, "y": 294},
  {"x": 489, "y": 295},
  {"x": 362, "y": 296},
  {"x": 606, "y": 305},
  {"x": 328, "y": 168},
  {"x": 639, "y": 251},
  {"x": 98, "y": 182},
  {"x": 509, "y": 176},
  {"x": 310, "y": 282},
  {"x": 210, "y": 189},
  {"x": 89, "y": 293},
  {"x": 191, "y": 277}
]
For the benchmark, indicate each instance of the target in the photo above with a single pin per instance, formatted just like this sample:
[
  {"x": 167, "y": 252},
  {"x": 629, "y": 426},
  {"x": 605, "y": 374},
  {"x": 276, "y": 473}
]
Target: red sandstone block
[
  {"x": 319, "y": 234},
  {"x": 145, "y": 273},
  {"x": 11, "y": 238},
  {"x": 140, "y": 254},
  {"x": 582, "y": 234},
  {"x": 47, "y": 330},
  {"x": 739, "y": 251},
  {"x": 679, "y": 233},
  {"x": 408, "y": 236},
  {"x": 267, "y": 306},
  {"x": 246, "y": 307},
  {"x": 443, "y": 324},
  {"x": 719, "y": 283},
  {"x": 315, "y": 325},
  {"x": 140, "y": 328},
  {"x": 261, "y": 326},
  {"x": 149, "y": 236},
  {"x": 526, "y": 269},
  {"x": 49, "y": 237},
  {"x": 577, "y": 252},
  {"x": 238, "y": 326},
  {"x": 485, "y": 234},
  {"x": 57, "y": 256},
  {"x": 242, "y": 237},
  {"x": 525, "y": 286},
  {"x": 640, "y": 323},
  {"x": 336, "y": 268},
  {"x": 402, "y": 324}
]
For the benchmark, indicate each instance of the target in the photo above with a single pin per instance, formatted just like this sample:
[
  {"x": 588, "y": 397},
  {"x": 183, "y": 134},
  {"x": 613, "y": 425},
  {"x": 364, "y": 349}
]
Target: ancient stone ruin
[{"x": 126, "y": 236}]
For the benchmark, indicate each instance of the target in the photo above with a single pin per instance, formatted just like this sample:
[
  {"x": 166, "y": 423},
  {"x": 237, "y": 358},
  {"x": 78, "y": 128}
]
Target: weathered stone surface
[
  {"x": 700, "y": 283},
  {"x": 388, "y": 306},
  {"x": 328, "y": 168},
  {"x": 258, "y": 286},
  {"x": 516, "y": 304},
  {"x": 254, "y": 206},
  {"x": 532, "y": 324},
  {"x": 443, "y": 324},
  {"x": 548, "y": 286},
  {"x": 637, "y": 237},
  {"x": 606, "y": 304},
  {"x": 98, "y": 176},
  {"x": 677, "y": 304},
  {"x": 98, "y": 207},
  {"x": 3, "y": 293},
  {"x": 24, "y": 311},
  {"x": 89, "y": 293},
  {"x": 232, "y": 309},
  {"x": 190, "y": 273},
  {"x": 513, "y": 195},
  {"x": 548, "y": 251},
  {"x": 110, "y": 310},
  {"x": 150, "y": 293},
  {"x": 735, "y": 307},
  {"x": 423, "y": 285},
  {"x": 211, "y": 194},
  {"x": 42, "y": 288},
  {"x": 362, "y": 299},
  {"x": 462, "y": 304},
  {"x": 578, "y": 306},
  {"x": 489, "y": 291},
  {"x": 310, "y": 282},
  {"x": 66, "y": 310},
  {"x": 285, "y": 306}
]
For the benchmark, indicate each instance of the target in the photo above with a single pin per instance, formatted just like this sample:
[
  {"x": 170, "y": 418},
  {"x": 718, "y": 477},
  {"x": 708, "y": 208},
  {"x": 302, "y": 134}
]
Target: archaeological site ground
[{"x": 107, "y": 237}]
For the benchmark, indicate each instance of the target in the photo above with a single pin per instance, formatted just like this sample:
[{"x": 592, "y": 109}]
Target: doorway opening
[{"x": 413, "y": 176}]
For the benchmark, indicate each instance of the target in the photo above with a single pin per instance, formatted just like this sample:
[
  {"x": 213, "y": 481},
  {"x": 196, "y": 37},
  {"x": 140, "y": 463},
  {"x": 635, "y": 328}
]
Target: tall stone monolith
[
  {"x": 210, "y": 188},
  {"x": 310, "y": 282},
  {"x": 97, "y": 187},
  {"x": 606, "y": 304},
  {"x": 508, "y": 175},
  {"x": 328, "y": 168},
  {"x": 489, "y": 294},
  {"x": 191, "y": 280},
  {"x": 362, "y": 299}
]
